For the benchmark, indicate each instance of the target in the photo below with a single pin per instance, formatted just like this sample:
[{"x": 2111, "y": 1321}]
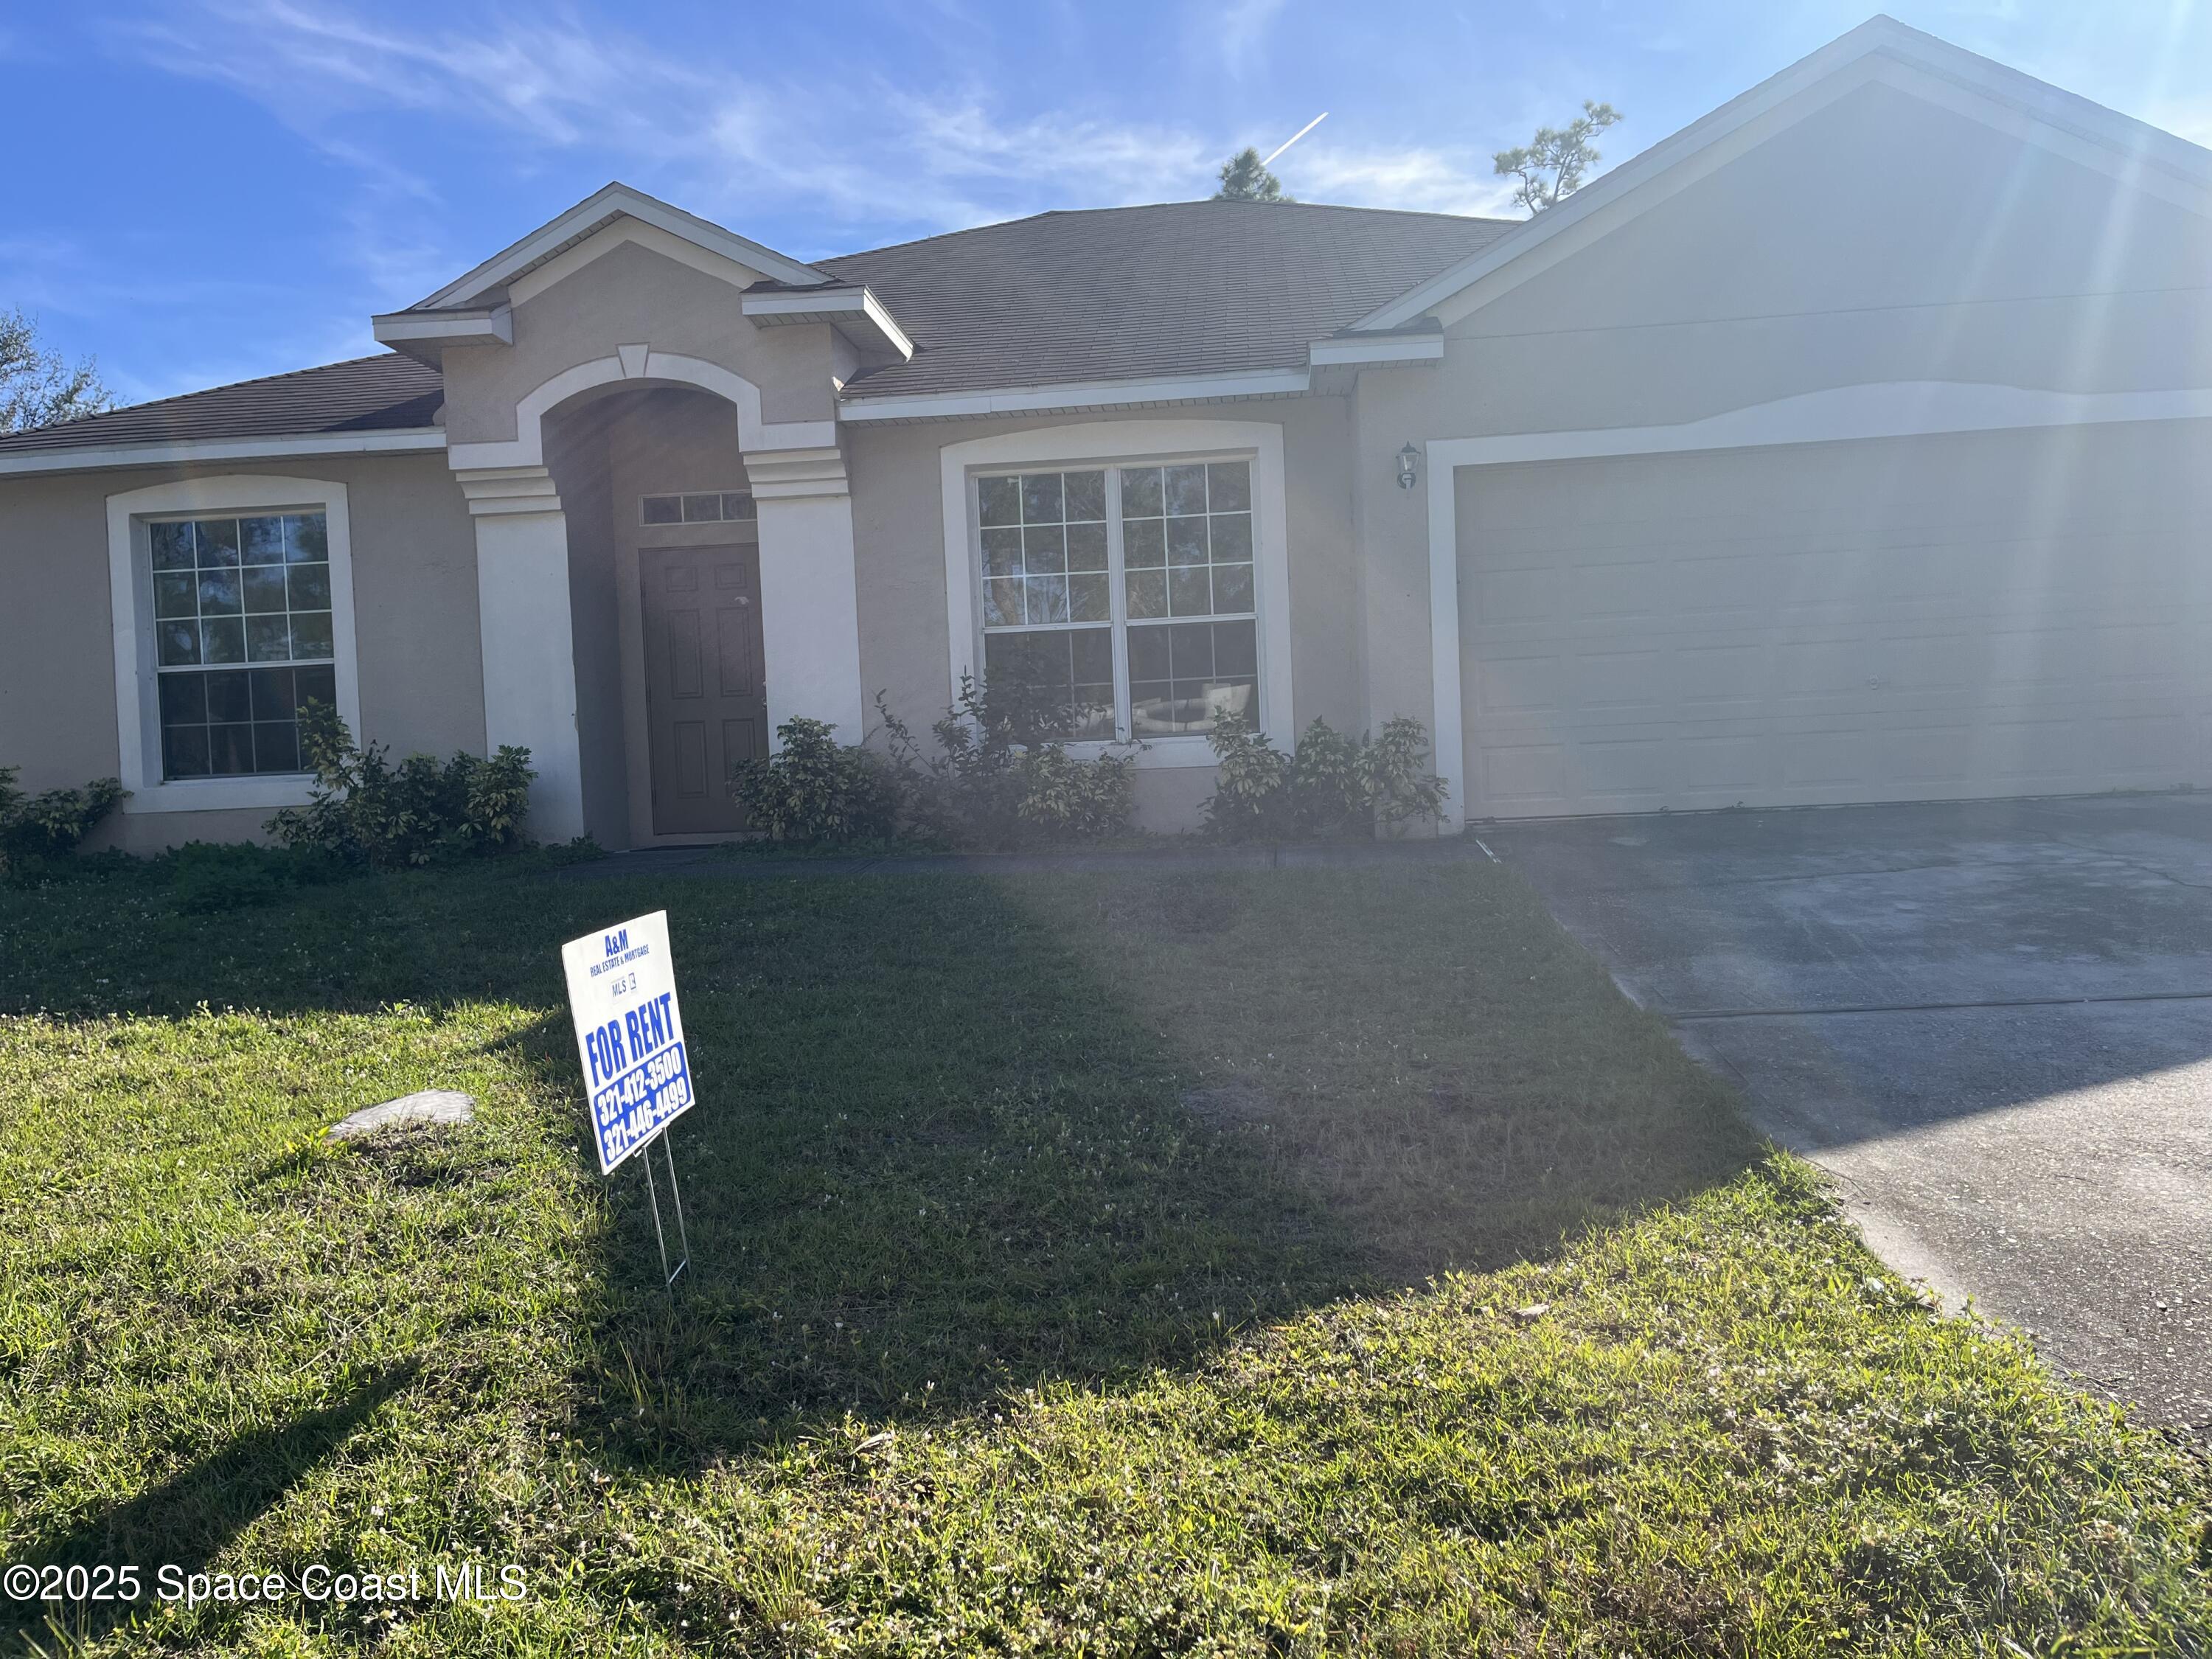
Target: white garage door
[{"x": 1908, "y": 619}]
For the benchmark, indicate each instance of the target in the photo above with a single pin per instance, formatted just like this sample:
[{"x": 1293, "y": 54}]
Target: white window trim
[
  {"x": 1122, "y": 443},
  {"x": 130, "y": 591}
]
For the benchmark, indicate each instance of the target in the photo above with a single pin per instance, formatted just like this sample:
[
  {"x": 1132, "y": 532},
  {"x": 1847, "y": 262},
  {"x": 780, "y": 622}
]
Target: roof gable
[
  {"x": 648, "y": 219},
  {"x": 2133, "y": 151}
]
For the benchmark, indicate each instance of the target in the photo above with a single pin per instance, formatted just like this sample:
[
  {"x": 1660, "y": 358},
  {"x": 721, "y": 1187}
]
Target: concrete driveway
[{"x": 1992, "y": 1022}]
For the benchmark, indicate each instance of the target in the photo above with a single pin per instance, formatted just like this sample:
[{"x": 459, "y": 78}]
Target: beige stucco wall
[
  {"x": 415, "y": 604},
  {"x": 635, "y": 297},
  {"x": 1835, "y": 253}
]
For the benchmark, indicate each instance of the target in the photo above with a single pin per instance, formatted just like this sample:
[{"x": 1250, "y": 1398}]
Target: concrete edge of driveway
[{"x": 712, "y": 863}]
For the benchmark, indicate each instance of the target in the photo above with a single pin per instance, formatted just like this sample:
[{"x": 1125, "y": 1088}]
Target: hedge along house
[{"x": 1775, "y": 467}]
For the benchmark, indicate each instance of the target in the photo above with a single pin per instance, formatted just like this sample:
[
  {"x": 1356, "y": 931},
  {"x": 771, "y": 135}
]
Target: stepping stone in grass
[{"x": 429, "y": 1107}]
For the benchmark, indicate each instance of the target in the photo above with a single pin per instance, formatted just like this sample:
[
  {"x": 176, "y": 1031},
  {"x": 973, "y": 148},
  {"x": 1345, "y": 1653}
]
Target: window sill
[
  {"x": 1157, "y": 752},
  {"x": 234, "y": 795}
]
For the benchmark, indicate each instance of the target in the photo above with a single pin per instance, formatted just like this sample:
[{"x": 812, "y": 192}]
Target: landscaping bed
[{"x": 1279, "y": 1261}]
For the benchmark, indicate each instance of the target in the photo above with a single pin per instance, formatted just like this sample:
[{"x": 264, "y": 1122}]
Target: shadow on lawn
[
  {"x": 957, "y": 1136},
  {"x": 190, "y": 1518},
  {"x": 962, "y": 1135}
]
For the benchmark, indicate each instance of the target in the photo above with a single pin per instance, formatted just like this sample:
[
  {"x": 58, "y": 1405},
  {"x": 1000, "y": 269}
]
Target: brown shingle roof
[
  {"x": 365, "y": 394},
  {"x": 1181, "y": 288}
]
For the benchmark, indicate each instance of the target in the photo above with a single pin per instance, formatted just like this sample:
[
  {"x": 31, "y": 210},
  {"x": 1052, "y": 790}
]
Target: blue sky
[{"x": 224, "y": 188}]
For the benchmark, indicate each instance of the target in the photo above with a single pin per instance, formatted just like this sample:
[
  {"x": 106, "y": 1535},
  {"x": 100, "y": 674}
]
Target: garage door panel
[
  {"x": 1615, "y": 592},
  {"x": 1504, "y": 596},
  {"x": 1975, "y": 614},
  {"x": 1512, "y": 685},
  {"x": 1719, "y": 679}
]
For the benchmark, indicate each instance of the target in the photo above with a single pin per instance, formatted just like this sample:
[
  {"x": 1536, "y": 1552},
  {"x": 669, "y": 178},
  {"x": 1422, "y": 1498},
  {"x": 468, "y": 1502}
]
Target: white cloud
[
  {"x": 726, "y": 140},
  {"x": 1426, "y": 180}
]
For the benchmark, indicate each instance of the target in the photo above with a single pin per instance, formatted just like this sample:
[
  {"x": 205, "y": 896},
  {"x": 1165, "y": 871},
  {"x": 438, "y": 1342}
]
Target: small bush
[
  {"x": 1001, "y": 776},
  {"x": 1401, "y": 788},
  {"x": 814, "y": 790},
  {"x": 36, "y": 830},
  {"x": 365, "y": 810},
  {"x": 1330, "y": 785},
  {"x": 1064, "y": 798}
]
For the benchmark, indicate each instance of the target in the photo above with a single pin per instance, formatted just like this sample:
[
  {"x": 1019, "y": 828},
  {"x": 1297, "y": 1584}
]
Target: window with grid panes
[
  {"x": 1160, "y": 556},
  {"x": 243, "y": 640}
]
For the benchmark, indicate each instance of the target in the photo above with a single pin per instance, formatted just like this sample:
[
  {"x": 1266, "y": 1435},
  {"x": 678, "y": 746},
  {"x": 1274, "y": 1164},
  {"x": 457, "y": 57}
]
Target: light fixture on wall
[{"x": 1409, "y": 467}]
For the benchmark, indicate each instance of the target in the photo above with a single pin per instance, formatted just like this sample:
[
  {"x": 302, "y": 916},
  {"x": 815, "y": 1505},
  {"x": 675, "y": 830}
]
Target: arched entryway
[{"x": 691, "y": 635}]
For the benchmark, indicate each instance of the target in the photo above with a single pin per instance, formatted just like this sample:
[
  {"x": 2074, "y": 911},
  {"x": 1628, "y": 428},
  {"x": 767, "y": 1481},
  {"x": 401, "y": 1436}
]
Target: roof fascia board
[
  {"x": 591, "y": 215},
  {"x": 424, "y": 335},
  {"x": 2116, "y": 143},
  {"x": 855, "y": 311},
  {"x": 91, "y": 457},
  {"x": 1079, "y": 395},
  {"x": 1400, "y": 349}
]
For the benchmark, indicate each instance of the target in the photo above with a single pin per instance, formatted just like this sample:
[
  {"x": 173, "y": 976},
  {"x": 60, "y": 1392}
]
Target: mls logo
[{"x": 618, "y": 942}]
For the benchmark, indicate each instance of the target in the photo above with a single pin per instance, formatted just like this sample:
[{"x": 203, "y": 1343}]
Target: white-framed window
[
  {"x": 1123, "y": 593},
  {"x": 243, "y": 640},
  {"x": 233, "y": 604},
  {"x": 1136, "y": 571},
  {"x": 698, "y": 506}
]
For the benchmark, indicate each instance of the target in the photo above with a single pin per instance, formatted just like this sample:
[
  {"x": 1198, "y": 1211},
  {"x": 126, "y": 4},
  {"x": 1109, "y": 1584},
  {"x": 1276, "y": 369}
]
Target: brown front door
[{"x": 704, "y": 704}]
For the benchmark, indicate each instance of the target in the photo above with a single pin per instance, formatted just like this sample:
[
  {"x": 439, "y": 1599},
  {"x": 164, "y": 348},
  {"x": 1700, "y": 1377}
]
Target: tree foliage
[
  {"x": 40, "y": 388},
  {"x": 1552, "y": 165},
  {"x": 1245, "y": 178}
]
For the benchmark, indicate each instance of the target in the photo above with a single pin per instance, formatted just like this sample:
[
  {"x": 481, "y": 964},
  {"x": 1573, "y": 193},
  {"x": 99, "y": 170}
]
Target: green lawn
[{"x": 1282, "y": 1263}]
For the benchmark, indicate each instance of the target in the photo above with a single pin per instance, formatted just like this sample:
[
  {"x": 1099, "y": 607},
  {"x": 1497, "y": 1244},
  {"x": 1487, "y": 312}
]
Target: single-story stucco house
[{"x": 1853, "y": 444}]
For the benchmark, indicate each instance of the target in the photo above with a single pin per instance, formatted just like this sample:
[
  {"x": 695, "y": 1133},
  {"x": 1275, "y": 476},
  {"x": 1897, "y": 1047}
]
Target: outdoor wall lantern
[{"x": 1409, "y": 467}]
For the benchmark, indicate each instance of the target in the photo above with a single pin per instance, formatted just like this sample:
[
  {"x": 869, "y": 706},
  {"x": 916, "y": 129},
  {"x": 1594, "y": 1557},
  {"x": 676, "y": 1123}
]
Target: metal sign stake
[{"x": 676, "y": 1198}]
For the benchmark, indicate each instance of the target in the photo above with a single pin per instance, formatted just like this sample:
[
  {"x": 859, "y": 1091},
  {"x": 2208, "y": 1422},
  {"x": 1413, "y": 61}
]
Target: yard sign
[{"x": 629, "y": 1034}]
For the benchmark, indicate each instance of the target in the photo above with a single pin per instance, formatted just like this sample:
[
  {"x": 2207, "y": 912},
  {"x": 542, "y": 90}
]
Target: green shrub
[
  {"x": 1329, "y": 787},
  {"x": 36, "y": 830},
  {"x": 365, "y": 810},
  {"x": 1001, "y": 776},
  {"x": 817, "y": 792},
  {"x": 1401, "y": 788},
  {"x": 1064, "y": 798}
]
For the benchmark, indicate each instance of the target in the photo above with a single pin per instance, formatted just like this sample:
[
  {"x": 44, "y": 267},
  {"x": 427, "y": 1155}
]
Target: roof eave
[
  {"x": 852, "y": 309},
  {"x": 424, "y": 335},
  {"x": 1074, "y": 396},
  {"x": 160, "y": 452}
]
